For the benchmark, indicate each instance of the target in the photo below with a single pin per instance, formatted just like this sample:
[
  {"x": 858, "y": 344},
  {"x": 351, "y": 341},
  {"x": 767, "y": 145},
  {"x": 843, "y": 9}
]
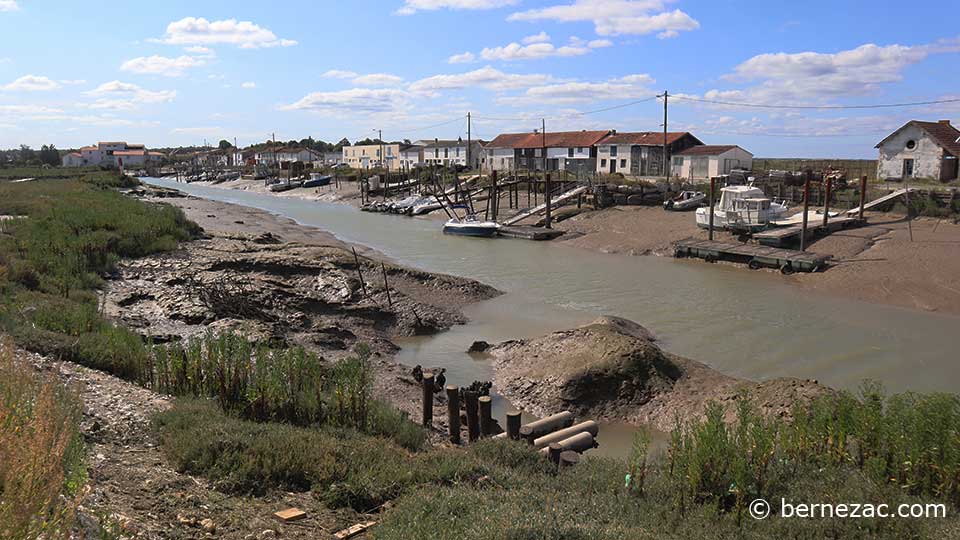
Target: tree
[
  {"x": 224, "y": 144},
  {"x": 48, "y": 154},
  {"x": 343, "y": 142},
  {"x": 27, "y": 154}
]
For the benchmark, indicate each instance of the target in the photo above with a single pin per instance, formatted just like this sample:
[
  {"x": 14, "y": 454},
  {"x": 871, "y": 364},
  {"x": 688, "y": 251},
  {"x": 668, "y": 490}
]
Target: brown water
[{"x": 747, "y": 324}]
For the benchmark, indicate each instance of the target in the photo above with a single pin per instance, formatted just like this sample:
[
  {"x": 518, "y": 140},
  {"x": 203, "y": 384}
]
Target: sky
[{"x": 178, "y": 73}]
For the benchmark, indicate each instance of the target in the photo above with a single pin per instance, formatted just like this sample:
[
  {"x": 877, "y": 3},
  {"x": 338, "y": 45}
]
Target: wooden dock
[
  {"x": 756, "y": 256},
  {"x": 529, "y": 233},
  {"x": 554, "y": 203},
  {"x": 786, "y": 235}
]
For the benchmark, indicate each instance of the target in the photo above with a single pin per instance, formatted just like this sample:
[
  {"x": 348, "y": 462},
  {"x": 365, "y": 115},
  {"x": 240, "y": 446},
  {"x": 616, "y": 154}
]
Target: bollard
[
  {"x": 546, "y": 425},
  {"x": 473, "y": 421},
  {"x": 569, "y": 458},
  {"x": 513, "y": 425},
  {"x": 427, "y": 399},
  {"x": 589, "y": 426},
  {"x": 453, "y": 413},
  {"x": 553, "y": 451},
  {"x": 486, "y": 421}
]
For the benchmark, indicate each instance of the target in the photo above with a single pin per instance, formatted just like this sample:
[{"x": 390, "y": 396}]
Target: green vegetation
[{"x": 41, "y": 452}]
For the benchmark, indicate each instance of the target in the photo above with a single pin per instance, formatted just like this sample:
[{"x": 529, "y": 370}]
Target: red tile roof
[
  {"x": 560, "y": 139},
  {"x": 947, "y": 136},
  {"x": 706, "y": 150},
  {"x": 129, "y": 152},
  {"x": 645, "y": 138}
]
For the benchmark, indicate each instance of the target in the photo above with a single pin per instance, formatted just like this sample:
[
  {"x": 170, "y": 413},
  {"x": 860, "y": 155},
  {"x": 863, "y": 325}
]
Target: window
[
  {"x": 569, "y": 152},
  {"x": 613, "y": 150},
  {"x": 911, "y": 144},
  {"x": 623, "y": 164},
  {"x": 446, "y": 152},
  {"x": 678, "y": 161},
  {"x": 579, "y": 150},
  {"x": 603, "y": 163},
  {"x": 436, "y": 152}
]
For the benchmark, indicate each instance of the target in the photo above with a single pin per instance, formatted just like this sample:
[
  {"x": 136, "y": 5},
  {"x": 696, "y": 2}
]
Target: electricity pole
[
  {"x": 546, "y": 177},
  {"x": 666, "y": 162}
]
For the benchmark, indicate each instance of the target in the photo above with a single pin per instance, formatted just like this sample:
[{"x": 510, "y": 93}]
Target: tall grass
[{"x": 41, "y": 452}]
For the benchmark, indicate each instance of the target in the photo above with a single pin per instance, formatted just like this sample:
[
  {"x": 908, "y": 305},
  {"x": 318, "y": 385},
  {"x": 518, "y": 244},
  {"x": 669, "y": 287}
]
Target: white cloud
[
  {"x": 412, "y": 6},
  {"x": 355, "y": 100},
  {"x": 26, "y": 110},
  {"x": 616, "y": 17},
  {"x": 161, "y": 65},
  {"x": 31, "y": 83},
  {"x": 340, "y": 74},
  {"x": 212, "y": 131},
  {"x": 243, "y": 34},
  {"x": 599, "y": 43},
  {"x": 121, "y": 96},
  {"x": 463, "y": 58},
  {"x": 6, "y": 60},
  {"x": 73, "y": 82},
  {"x": 248, "y": 85},
  {"x": 9, "y": 5},
  {"x": 485, "y": 77},
  {"x": 377, "y": 79},
  {"x": 542, "y": 37},
  {"x": 628, "y": 87},
  {"x": 198, "y": 50}
]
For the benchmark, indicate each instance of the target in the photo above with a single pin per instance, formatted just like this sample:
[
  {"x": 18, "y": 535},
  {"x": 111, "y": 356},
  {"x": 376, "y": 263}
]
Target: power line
[{"x": 820, "y": 107}]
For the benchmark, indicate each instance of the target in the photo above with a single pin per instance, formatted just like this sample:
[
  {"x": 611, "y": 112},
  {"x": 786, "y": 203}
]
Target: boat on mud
[
  {"x": 742, "y": 209},
  {"x": 317, "y": 180},
  {"x": 471, "y": 225},
  {"x": 687, "y": 200},
  {"x": 284, "y": 186}
]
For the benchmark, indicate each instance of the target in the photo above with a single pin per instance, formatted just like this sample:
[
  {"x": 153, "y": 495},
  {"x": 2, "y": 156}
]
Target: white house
[
  {"x": 111, "y": 154},
  {"x": 305, "y": 155},
  {"x": 641, "y": 153},
  {"x": 708, "y": 160},
  {"x": 920, "y": 149},
  {"x": 449, "y": 153},
  {"x": 565, "y": 150},
  {"x": 411, "y": 156}
]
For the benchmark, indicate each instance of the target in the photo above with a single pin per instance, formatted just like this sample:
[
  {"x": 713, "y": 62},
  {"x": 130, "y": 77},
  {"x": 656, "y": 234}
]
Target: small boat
[
  {"x": 283, "y": 186},
  {"x": 317, "y": 180},
  {"x": 687, "y": 200},
  {"x": 742, "y": 208},
  {"x": 471, "y": 226}
]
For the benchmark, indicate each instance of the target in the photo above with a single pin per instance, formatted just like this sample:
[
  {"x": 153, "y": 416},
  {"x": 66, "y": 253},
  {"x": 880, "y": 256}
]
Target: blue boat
[{"x": 318, "y": 180}]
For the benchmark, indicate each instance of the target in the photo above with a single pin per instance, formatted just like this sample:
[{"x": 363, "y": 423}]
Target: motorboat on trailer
[
  {"x": 471, "y": 225},
  {"x": 686, "y": 200},
  {"x": 742, "y": 208}
]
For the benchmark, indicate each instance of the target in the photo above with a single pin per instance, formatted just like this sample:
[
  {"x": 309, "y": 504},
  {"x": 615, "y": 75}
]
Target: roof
[
  {"x": 645, "y": 138},
  {"x": 708, "y": 150},
  {"x": 561, "y": 139},
  {"x": 945, "y": 135},
  {"x": 130, "y": 153},
  {"x": 74, "y": 154},
  {"x": 113, "y": 142},
  {"x": 443, "y": 142}
]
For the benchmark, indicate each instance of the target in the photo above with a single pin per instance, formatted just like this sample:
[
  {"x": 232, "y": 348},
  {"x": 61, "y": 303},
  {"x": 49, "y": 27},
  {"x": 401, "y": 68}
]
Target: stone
[{"x": 208, "y": 525}]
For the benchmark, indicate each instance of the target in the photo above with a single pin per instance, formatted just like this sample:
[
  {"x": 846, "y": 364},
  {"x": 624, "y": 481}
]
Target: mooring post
[
  {"x": 513, "y": 425},
  {"x": 863, "y": 194},
  {"x": 453, "y": 413},
  {"x": 568, "y": 458},
  {"x": 427, "y": 399},
  {"x": 713, "y": 182},
  {"x": 806, "y": 207},
  {"x": 356, "y": 258},
  {"x": 826, "y": 203},
  {"x": 486, "y": 420},
  {"x": 386, "y": 284},
  {"x": 473, "y": 420},
  {"x": 555, "y": 451}
]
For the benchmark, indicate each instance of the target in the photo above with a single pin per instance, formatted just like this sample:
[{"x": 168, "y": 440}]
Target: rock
[
  {"x": 478, "y": 346},
  {"x": 268, "y": 533},
  {"x": 208, "y": 525}
]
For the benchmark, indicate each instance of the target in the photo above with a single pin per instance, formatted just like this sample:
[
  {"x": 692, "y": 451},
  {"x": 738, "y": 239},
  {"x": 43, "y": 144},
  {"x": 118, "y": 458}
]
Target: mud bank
[{"x": 612, "y": 370}]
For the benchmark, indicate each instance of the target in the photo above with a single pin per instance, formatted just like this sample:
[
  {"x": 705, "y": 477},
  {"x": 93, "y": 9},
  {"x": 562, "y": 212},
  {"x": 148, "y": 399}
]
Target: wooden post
[
  {"x": 713, "y": 182},
  {"x": 546, "y": 197},
  {"x": 486, "y": 420},
  {"x": 386, "y": 284},
  {"x": 473, "y": 421},
  {"x": 363, "y": 286},
  {"x": 513, "y": 425},
  {"x": 568, "y": 458},
  {"x": 496, "y": 195},
  {"x": 863, "y": 194},
  {"x": 546, "y": 425},
  {"x": 554, "y": 452},
  {"x": 826, "y": 202},
  {"x": 427, "y": 399},
  {"x": 453, "y": 413},
  {"x": 806, "y": 207}
]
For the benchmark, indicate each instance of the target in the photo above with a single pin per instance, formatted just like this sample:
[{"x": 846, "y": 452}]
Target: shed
[
  {"x": 709, "y": 160},
  {"x": 919, "y": 149}
]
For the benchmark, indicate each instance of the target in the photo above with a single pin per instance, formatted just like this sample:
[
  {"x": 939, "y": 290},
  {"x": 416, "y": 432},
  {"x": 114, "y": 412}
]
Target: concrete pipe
[{"x": 589, "y": 426}]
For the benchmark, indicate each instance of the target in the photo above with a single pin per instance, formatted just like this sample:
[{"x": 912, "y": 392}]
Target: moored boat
[
  {"x": 742, "y": 208},
  {"x": 471, "y": 226},
  {"x": 317, "y": 180},
  {"x": 687, "y": 200}
]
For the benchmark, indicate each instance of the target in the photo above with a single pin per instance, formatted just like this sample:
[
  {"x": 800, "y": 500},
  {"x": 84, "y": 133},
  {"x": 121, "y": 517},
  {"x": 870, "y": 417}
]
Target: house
[
  {"x": 920, "y": 150},
  {"x": 565, "y": 151},
  {"x": 305, "y": 155},
  {"x": 706, "y": 161},
  {"x": 641, "y": 153},
  {"x": 111, "y": 154},
  {"x": 411, "y": 156},
  {"x": 367, "y": 156},
  {"x": 449, "y": 153},
  {"x": 332, "y": 158}
]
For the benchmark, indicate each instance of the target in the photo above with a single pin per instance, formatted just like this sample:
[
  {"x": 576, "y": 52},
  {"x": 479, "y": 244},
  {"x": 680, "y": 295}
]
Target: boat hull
[{"x": 480, "y": 230}]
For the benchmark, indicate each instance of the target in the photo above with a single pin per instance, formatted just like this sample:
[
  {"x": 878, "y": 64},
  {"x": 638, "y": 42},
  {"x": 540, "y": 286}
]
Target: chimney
[{"x": 945, "y": 122}]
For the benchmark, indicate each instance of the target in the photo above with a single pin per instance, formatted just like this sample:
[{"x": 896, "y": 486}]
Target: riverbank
[{"x": 877, "y": 263}]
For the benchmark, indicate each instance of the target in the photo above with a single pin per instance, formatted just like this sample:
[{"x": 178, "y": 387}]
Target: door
[
  {"x": 907, "y": 168},
  {"x": 699, "y": 167},
  {"x": 613, "y": 165}
]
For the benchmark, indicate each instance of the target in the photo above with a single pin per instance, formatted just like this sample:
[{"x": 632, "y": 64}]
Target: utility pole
[
  {"x": 468, "y": 142},
  {"x": 666, "y": 162},
  {"x": 546, "y": 177}
]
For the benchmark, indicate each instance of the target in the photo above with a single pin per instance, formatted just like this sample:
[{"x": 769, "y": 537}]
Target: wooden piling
[
  {"x": 427, "y": 399},
  {"x": 453, "y": 413},
  {"x": 589, "y": 426},
  {"x": 806, "y": 208},
  {"x": 386, "y": 284},
  {"x": 568, "y": 458},
  {"x": 826, "y": 202},
  {"x": 554, "y": 451},
  {"x": 513, "y": 425},
  {"x": 713, "y": 182},
  {"x": 546, "y": 425},
  {"x": 486, "y": 418},
  {"x": 863, "y": 194},
  {"x": 578, "y": 443},
  {"x": 473, "y": 420},
  {"x": 356, "y": 258}
]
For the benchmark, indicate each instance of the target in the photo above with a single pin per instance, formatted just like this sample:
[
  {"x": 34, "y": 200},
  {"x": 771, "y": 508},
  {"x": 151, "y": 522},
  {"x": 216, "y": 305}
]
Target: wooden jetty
[
  {"x": 786, "y": 235},
  {"x": 526, "y": 232},
  {"x": 756, "y": 256},
  {"x": 553, "y": 204},
  {"x": 877, "y": 202}
]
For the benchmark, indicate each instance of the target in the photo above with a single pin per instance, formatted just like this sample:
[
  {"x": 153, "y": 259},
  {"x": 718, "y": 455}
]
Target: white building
[
  {"x": 567, "y": 150},
  {"x": 706, "y": 161},
  {"x": 641, "y": 153},
  {"x": 411, "y": 156},
  {"x": 305, "y": 155},
  {"x": 449, "y": 153},
  {"x": 111, "y": 154},
  {"x": 918, "y": 149}
]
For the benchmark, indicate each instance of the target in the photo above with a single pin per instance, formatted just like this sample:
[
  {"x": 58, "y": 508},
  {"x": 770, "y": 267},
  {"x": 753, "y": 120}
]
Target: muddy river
[{"x": 747, "y": 324}]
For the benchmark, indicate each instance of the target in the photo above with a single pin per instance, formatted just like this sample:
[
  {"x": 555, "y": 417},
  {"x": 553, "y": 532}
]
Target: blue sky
[{"x": 176, "y": 72}]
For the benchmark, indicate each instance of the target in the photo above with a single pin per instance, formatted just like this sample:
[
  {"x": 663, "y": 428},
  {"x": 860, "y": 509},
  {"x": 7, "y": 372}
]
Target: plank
[
  {"x": 291, "y": 514},
  {"x": 354, "y": 530}
]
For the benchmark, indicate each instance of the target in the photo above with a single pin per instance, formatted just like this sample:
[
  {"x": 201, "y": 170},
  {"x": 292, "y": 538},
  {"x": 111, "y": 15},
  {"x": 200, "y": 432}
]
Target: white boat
[
  {"x": 471, "y": 226},
  {"x": 687, "y": 200},
  {"x": 742, "y": 208}
]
